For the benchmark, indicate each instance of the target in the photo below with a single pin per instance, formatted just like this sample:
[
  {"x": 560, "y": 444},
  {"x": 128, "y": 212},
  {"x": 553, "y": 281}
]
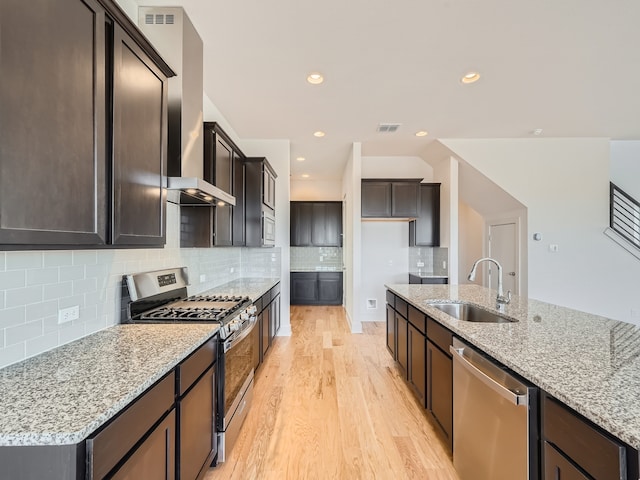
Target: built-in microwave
[{"x": 268, "y": 229}]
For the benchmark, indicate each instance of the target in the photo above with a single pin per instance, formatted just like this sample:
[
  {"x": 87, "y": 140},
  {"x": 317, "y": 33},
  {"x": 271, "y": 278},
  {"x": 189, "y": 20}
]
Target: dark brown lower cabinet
[
  {"x": 316, "y": 288},
  {"x": 155, "y": 457},
  {"x": 391, "y": 331},
  {"x": 417, "y": 368},
  {"x": 264, "y": 327},
  {"x": 557, "y": 467},
  {"x": 402, "y": 350},
  {"x": 440, "y": 389}
]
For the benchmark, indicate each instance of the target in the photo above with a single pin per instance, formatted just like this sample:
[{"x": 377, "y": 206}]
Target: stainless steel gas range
[{"x": 161, "y": 297}]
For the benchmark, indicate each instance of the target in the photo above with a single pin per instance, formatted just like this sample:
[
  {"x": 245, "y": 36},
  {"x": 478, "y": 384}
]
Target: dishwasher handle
[{"x": 492, "y": 383}]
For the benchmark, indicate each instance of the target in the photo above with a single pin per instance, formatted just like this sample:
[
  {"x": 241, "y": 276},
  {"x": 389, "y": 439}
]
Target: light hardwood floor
[{"x": 329, "y": 404}]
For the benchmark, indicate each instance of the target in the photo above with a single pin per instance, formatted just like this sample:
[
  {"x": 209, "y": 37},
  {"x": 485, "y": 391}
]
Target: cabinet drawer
[
  {"x": 418, "y": 319},
  {"x": 191, "y": 368},
  {"x": 109, "y": 446},
  {"x": 274, "y": 291},
  {"x": 439, "y": 335},
  {"x": 391, "y": 298},
  {"x": 401, "y": 307},
  {"x": 597, "y": 453},
  {"x": 556, "y": 466}
]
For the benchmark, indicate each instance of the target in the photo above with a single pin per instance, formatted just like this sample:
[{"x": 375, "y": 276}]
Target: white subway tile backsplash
[
  {"x": 55, "y": 291},
  {"x": 21, "y": 333},
  {"x": 71, "y": 273},
  {"x": 3, "y": 261},
  {"x": 50, "y": 324},
  {"x": 41, "y": 344},
  {"x": 70, "y": 333},
  {"x": 42, "y": 276},
  {"x": 12, "y": 354},
  {"x": 24, "y": 260},
  {"x": 97, "y": 271},
  {"x": 85, "y": 257},
  {"x": 67, "y": 302},
  {"x": 85, "y": 286},
  {"x": 41, "y": 310},
  {"x": 58, "y": 259},
  {"x": 13, "y": 279},
  {"x": 23, "y": 296},
  {"x": 12, "y": 316}
]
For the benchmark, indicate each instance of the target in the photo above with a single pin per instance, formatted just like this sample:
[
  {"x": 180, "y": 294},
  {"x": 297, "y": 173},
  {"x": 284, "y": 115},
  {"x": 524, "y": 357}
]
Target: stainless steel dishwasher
[{"x": 495, "y": 433}]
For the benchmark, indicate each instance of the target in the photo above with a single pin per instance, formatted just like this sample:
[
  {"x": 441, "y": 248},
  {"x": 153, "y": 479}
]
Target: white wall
[
  {"x": 445, "y": 171},
  {"x": 277, "y": 152},
  {"x": 352, "y": 236},
  {"x": 396, "y": 167},
  {"x": 625, "y": 166},
  {"x": 321, "y": 190},
  {"x": 470, "y": 240},
  {"x": 564, "y": 185}
]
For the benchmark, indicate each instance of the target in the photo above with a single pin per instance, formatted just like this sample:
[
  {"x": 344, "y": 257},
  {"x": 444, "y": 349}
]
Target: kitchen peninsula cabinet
[
  {"x": 390, "y": 198},
  {"x": 83, "y": 128},
  {"x": 440, "y": 378}
]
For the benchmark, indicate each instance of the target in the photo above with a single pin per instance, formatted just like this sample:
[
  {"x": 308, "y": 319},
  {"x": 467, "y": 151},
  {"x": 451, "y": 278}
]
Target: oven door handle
[{"x": 231, "y": 342}]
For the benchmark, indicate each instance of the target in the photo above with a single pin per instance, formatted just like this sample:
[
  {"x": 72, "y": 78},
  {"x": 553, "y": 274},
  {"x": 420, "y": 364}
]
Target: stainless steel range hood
[{"x": 174, "y": 36}]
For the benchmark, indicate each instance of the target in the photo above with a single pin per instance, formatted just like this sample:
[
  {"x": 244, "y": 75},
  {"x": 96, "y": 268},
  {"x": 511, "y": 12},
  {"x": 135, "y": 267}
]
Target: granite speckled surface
[
  {"x": 428, "y": 275},
  {"x": 61, "y": 396},
  {"x": 590, "y": 363}
]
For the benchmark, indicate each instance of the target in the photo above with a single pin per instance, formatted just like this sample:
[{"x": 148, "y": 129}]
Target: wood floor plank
[{"x": 329, "y": 404}]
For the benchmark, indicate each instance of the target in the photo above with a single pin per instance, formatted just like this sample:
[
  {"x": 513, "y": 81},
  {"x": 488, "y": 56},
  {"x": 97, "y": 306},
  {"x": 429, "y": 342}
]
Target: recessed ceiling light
[
  {"x": 305, "y": 175},
  {"x": 319, "y": 134},
  {"x": 422, "y": 133},
  {"x": 300, "y": 159},
  {"x": 192, "y": 191},
  {"x": 315, "y": 78},
  {"x": 470, "y": 77}
]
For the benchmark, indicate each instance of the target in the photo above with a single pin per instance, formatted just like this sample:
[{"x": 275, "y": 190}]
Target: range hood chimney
[{"x": 174, "y": 36}]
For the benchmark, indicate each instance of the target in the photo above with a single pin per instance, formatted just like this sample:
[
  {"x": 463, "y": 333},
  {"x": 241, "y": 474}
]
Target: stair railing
[{"x": 624, "y": 216}]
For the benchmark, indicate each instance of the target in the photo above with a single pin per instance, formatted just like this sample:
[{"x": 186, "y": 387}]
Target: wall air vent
[
  {"x": 159, "y": 19},
  {"x": 388, "y": 127}
]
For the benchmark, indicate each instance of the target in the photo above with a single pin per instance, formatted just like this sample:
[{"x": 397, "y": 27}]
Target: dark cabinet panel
[
  {"x": 238, "y": 213},
  {"x": 391, "y": 331},
  {"x": 274, "y": 317},
  {"x": 404, "y": 199},
  {"x": 558, "y": 467},
  {"x": 256, "y": 335},
  {"x": 301, "y": 219},
  {"x": 425, "y": 229},
  {"x": 316, "y": 288},
  {"x": 416, "y": 279},
  {"x": 316, "y": 224},
  {"x": 259, "y": 215},
  {"x": 376, "y": 199},
  {"x": 417, "y": 359},
  {"x": 268, "y": 186},
  {"x": 139, "y": 145},
  {"x": 402, "y": 346},
  {"x": 383, "y": 198},
  {"x": 53, "y": 187},
  {"x": 155, "y": 457},
  {"x": 266, "y": 323},
  {"x": 440, "y": 389}
]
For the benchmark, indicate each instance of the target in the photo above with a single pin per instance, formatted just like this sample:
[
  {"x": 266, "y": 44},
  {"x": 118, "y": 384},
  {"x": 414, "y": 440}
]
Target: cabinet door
[
  {"x": 417, "y": 371},
  {"x": 222, "y": 229},
  {"x": 275, "y": 317},
  {"x": 425, "y": 229},
  {"x": 304, "y": 288},
  {"x": 376, "y": 199},
  {"x": 268, "y": 188},
  {"x": 301, "y": 217},
  {"x": 53, "y": 183},
  {"x": 402, "y": 346},
  {"x": 440, "y": 389},
  {"x": 266, "y": 323},
  {"x": 391, "y": 330},
  {"x": 330, "y": 288},
  {"x": 333, "y": 224},
  {"x": 404, "y": 199},
  {"x": 139, "y": 145},
  {"x": 238, "y": 212},
  {"x": 222, "y": 163},
  {"x": 196, "y": 420},
  {"x": 155, "y": 457},
  {"x": 557, "y": 467}
]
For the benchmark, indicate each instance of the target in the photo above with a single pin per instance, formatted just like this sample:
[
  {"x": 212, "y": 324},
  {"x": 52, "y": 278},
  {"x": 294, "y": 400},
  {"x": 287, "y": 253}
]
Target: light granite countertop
[
  {"x": 589, "y": 362},
  {"x": 61, "y": 396},
  {"x": 428, "y": 275}
]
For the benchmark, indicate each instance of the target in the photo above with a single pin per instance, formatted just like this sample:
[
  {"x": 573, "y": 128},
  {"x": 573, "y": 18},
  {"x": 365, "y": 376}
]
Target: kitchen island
[{"x": 590, "y": 363}]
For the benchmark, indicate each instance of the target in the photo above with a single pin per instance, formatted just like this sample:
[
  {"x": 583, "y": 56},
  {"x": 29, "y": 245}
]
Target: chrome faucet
[{"x": 501, "y": 298}]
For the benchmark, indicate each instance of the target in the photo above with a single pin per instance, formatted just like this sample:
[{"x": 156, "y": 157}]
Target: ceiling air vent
[
  {"x": 168, "y": 19},
  {"x": 388, "y": 127},
  {"x": 159, "y": 19},
  {"x": 148, "y": 19}
]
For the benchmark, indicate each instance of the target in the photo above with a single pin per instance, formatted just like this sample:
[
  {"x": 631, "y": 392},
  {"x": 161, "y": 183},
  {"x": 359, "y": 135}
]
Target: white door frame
[{"x": 487, "y": 229}]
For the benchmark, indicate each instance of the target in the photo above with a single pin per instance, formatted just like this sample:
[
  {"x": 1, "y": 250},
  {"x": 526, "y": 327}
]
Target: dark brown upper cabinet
[
  {"x": 82, "y": 128},
  {"x": 390, "y": 198},
  {"x": 316, "y": 224},
  {"x": 424, "y": 231},
  {"x": 260, "y": 193}
]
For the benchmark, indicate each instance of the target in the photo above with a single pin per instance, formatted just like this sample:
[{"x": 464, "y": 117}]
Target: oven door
[{"x": 237, "y": 372}]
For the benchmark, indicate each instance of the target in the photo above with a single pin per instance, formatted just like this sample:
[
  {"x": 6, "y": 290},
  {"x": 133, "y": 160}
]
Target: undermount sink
[{"x": 471, "y": 313}]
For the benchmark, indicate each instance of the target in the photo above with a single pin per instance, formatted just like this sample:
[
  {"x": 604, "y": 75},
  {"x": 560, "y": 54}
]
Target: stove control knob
[
  {"x": 244, "y": 316},
  {"x": 252, "y": 309}
]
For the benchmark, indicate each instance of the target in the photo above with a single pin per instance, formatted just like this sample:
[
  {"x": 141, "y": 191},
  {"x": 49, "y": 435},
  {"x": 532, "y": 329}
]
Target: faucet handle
[{"x": 504, "y": 299}]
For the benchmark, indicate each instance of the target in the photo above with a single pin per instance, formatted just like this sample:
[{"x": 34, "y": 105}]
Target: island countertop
[{"x": 589, "y": 362}]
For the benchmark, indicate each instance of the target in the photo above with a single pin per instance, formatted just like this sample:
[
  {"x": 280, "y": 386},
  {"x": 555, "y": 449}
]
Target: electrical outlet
[
  {"x": 444, "y": 264},
  {"x": 68, "y": 314},
  {"x": 420, "y": 264},
  {"x": 231, "y": 269},
  {"x": 203, "y": 278},
  {"x": 553, "y": 247}
]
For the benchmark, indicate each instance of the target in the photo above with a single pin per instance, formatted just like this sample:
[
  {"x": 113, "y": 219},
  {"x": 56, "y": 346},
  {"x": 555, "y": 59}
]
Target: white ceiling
[{"x": 569, "y": 67}]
